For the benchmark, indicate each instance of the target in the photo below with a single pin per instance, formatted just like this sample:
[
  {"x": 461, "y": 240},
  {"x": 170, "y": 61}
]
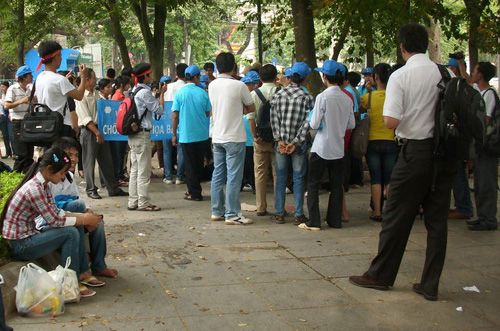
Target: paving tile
[{"x": 241, "y": 321}]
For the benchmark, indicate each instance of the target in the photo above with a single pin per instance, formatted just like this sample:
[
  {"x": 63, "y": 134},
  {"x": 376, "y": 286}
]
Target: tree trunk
[
  {"x": 474, "y": 9},
  {"x": 185, "y": 40},
  {"x": 434, "y": 31},
  {"x": 404, "y": 19},
  {"x": 370, "y": 56},
  {"x": 116, "y": 30},
  {"x": 305, "y": 49},
  {"x": 248, "y": 38},
  {"x": 339, "y": 45},
  {"x": 19, "y": 11},
  {"x": 154, "y": 42},
  {"x": 171, "y": 57}
]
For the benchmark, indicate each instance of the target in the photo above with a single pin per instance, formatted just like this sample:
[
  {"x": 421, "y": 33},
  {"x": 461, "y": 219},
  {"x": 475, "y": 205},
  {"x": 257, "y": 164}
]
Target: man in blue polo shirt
[{"x": 190, "y": 112}]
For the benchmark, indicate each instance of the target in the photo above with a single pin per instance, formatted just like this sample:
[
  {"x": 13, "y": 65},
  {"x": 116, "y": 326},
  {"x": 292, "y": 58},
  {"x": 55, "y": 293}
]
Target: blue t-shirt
[
  {"x": 192, "y": 104},
  {"x": 249, "y": 142}
]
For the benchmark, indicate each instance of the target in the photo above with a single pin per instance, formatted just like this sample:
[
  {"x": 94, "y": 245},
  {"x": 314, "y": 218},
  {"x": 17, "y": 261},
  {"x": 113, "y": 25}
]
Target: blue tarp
[{"x": 69, "y": 60}]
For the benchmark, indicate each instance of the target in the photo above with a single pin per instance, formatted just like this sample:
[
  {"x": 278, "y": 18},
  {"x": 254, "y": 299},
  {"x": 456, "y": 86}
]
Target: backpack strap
[
  {"x": 30, "y": 104},
  {"x": 134, "y": 93},
  {"x": 260, "y": 95}
]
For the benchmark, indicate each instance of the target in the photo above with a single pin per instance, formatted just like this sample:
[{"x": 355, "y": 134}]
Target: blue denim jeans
[
  {"x": 67, "y": 239},
  {"x": 97, "y": 238},
  {"x": 169, "y": 162},
  {"x": 299, "y": 168},
  {"x": 229, "y": 160},
  {"x": 381, "y": 158},
  {"x": 461, "y": 192}
]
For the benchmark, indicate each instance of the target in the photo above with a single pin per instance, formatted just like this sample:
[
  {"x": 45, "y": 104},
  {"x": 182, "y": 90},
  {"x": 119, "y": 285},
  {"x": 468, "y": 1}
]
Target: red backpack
[{"x": 128, "y": 121}]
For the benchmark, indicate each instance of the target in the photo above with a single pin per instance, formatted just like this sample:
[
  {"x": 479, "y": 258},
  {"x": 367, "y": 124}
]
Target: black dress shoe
[
  {"x": 368, "y": 282},
  {"x": 481, "y": 226},
  {"x": 119, "y": 193},
  {"x": 472, "y": 222},
  {"x": 94, "y": 195},
  {"x": 427, "y": 296}
]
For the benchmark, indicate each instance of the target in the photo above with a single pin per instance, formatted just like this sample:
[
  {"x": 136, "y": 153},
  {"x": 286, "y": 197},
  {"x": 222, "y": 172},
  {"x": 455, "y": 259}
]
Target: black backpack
[
  {"x": 492, "y": 143},
  {"x": 459, "y": 131},
  {"x": 128, "y": 121},
  {"x": 263, "y": 129}
]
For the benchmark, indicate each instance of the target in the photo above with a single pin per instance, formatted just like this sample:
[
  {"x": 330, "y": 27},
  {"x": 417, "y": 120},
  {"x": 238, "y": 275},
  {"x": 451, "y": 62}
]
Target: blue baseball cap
[
  {"x": 367, "y": 71},
  {"x": 330, "y": 68},
  {"x": 23, "y": 70},
  {"x": 202, "y": 85},
  {"x": 165, "y": 79},
  {"x": 288, "y": 72},
  {"x": 191, "y": 71},
  {"x": 204, "y": 79},
  {"x": 251, "y": 77},
  {"x": 299, "y": 68},
  {"x": 452, "y": 63}
]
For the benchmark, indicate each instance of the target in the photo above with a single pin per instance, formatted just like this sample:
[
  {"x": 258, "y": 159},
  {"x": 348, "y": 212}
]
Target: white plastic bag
[
  {"x": 68, "y": 280},
  {"x": 37, "y": 293}
]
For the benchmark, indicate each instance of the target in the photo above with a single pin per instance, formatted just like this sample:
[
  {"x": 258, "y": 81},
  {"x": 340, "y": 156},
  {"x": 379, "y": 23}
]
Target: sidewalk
[{"x": 180, "y": 271}]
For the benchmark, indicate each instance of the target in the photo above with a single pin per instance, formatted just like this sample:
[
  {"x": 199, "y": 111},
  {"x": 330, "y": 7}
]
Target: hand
[
  {"x": 69, "y": 74},
  {"x": 174, "y": 140},
  {"x": 258, "y": 140},
  {"x": 163, "y": 88},
  {"x": 26, "y": 99},
  {"x": 92, "y": 220},
  {"x": 99, "y": 138},
  {"x": 77, "y": 131},
  {"x": 290, "y": 148},
  {"x": 282, "y": 147},
  {"x": 84, "y": 72}
]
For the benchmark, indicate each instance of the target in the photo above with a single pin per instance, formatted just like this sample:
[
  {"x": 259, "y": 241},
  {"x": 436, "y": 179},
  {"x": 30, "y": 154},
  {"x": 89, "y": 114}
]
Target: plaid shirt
[
  {"x": 289, "y": 108},
  {"x": 31, "y": 200}
]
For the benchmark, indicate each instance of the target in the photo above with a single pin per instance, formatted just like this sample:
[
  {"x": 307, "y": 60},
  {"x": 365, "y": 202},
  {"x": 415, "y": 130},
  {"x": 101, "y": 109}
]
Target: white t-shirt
[
  {"x": 489, "y": 99},
  {"x": 172, "y": 89},
  {"x": 411, "y": 97},
  {"x": 227, "y": 96},
  {"x": 14, "y": 93},
  {"x": 52, "y": 90}
]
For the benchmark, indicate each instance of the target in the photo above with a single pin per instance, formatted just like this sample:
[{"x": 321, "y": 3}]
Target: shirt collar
[
  {"x": 40, "y": 178},
  {"x": 143, "y": 86},
  {"x": 417, "y": 57},
  {"x": 225, "y": 76}
]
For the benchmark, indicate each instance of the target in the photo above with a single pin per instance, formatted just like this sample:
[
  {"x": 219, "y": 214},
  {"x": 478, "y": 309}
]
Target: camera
[{"x": 456, "y": 55}]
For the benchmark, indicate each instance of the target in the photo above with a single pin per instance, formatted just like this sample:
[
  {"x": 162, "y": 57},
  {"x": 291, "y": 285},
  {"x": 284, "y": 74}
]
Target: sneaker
[
  {"x": 168, "y": 181},
  {"x": 238, "y": 220},
  {"x": 304, "y": 226},
  {"x": 216, "y": 218},
  {"x": 179, "y": 182},
  {"x": 288, "y": 191},
  {"x": 247, "y": 188}
]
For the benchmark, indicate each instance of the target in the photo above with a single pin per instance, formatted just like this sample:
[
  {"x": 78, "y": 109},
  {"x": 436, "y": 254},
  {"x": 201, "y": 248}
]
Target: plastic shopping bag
[
  {"x": 68, "y": 280},
  {"x": 37, "y": 293}
]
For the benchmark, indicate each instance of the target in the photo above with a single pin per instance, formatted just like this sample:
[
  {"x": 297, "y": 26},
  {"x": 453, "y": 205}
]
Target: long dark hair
[{"x": 54, "y": 159}]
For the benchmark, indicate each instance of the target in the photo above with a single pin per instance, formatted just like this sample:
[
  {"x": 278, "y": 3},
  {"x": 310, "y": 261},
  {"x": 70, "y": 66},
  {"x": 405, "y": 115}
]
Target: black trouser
[
  {"x": 335, "y": 169},
  {"x": 410, "y": 188},
  {"x": 248, "y": 169},
  {"x": 23, "y": 152},
  {"x": 356, "y": 175},
  {"x": 194, "y": 154}
]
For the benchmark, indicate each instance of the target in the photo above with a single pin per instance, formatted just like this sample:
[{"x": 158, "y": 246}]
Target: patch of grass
[{"x": 8, "y": 182}]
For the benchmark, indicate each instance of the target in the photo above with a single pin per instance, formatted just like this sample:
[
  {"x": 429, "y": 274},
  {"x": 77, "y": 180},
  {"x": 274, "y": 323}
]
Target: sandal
[
  {"x": 376, "y": 218},
  {"x": 92, "y": 281},
  {"x": 278, "y": 219},
  {"x": 189, "y": 197},
  {"x": 107, "y": 272},
  {"x": 85, "y": 292},
  {"x": 149, "y": 208}
]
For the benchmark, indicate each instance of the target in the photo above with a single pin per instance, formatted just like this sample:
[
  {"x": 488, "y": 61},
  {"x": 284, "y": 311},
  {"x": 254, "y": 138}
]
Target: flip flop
[
  {"x": 85, "y": 292},
  {"x": 92, "y": 281},
  {"x": 107, "y": 272},
  {"x": 149, "y": 208}
]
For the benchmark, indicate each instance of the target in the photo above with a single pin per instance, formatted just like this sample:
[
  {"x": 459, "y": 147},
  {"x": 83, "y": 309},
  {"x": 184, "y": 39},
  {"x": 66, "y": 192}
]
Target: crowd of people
[{"x": 252, "y": 132}]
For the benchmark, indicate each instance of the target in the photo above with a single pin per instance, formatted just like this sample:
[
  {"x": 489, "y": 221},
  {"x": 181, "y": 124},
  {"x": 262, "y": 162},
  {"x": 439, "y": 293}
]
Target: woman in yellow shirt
[{"x": 382, "y": 150}]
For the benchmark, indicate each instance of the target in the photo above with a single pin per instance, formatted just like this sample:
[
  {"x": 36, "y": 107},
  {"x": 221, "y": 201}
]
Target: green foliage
[{"x": 8, "y": 182}]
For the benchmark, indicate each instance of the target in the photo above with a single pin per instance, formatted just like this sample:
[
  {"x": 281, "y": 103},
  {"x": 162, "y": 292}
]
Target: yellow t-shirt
[{"x": 378, "y": 130}]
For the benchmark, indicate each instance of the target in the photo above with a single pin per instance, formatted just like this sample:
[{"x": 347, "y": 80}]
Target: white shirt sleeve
[
  {"x": 9, "y": 96},
  {"x": 393, "y": 105},
  {"x": 66, "y": 86},
  {"x": 317, "y": 113},
  {"x": 246, "y": 97},
  {"x": 489, "y": 101}
]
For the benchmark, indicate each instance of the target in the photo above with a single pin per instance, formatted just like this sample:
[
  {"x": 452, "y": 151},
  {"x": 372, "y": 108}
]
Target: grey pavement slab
[{"x": 181, "y": 271}]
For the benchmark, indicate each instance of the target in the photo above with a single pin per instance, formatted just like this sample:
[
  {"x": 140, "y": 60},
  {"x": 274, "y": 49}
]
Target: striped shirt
[
  {"x": 289, "y": 108},
  {"x": 33, "y": 199}
]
